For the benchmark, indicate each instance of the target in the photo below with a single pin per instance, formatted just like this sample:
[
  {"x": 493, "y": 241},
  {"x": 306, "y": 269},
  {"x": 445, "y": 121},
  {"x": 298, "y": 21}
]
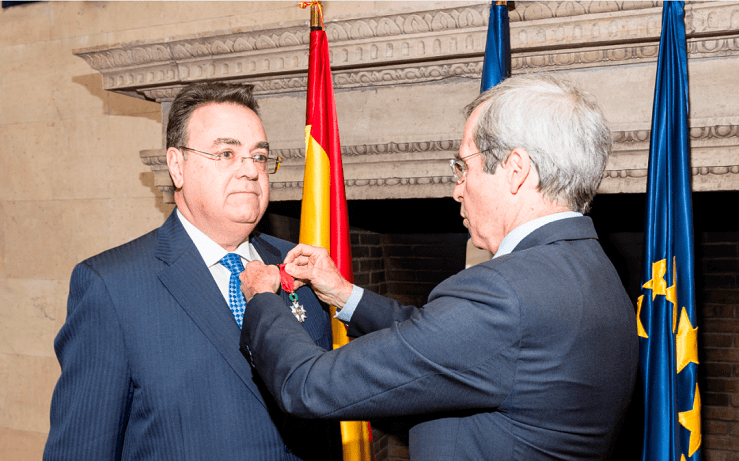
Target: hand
[
  {"x": 313, "y": 266},
  {"x": 258, "y": 278}
]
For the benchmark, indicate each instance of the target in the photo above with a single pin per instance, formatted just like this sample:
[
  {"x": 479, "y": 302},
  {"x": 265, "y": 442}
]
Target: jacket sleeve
[
  {"x": 375, "y": 312},
  {"x": 458, "y": 352},
  {"x": 91, "y": 401}
]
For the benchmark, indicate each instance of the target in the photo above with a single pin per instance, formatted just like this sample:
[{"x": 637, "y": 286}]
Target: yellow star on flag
[
  {"x": 686, "y": 345},
  {"x": 657, "y": 283},
  {"x": 640, "y": 326},
  {"x": 691, "y": 420}
]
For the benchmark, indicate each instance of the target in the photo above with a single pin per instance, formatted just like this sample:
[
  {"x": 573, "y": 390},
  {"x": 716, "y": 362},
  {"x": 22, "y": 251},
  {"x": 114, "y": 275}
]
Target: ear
[
  {"x": 175, "y": 163},
  {"x": 518, "y": 169}
]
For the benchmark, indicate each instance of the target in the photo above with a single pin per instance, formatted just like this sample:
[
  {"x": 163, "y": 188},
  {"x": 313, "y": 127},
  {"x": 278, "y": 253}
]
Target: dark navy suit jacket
[
  {"x": 530, "y": 356},
  {"x": 151, "y": 366}
]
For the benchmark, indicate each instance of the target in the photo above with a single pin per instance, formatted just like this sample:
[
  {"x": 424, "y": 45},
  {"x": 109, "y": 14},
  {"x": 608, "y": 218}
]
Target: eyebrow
[
  {"x": 229, "y": 141},
  {"x": 262, "y": 145},
  {"x": 236, "y": 142}
]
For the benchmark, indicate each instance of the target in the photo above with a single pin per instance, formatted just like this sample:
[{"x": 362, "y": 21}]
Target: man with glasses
[
  {"x": 151, "y": 367},
  {"x": 530, "y": 356}
]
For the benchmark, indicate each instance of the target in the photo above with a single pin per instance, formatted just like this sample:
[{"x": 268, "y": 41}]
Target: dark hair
[{"x": 197, "y": 95}]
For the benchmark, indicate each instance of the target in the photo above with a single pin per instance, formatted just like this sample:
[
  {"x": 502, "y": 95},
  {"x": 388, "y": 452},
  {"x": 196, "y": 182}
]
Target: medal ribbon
[
  {"x": 288, "y": 285},
  {"x": 287, "y": 280}
]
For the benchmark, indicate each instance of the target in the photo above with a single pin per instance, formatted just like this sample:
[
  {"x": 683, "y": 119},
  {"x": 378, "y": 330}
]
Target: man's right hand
[{"x": 313, "y": 266}]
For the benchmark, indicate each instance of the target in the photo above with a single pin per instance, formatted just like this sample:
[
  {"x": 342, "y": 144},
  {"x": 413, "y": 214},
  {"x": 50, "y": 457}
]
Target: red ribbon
[{"x": 287, "y": 280}]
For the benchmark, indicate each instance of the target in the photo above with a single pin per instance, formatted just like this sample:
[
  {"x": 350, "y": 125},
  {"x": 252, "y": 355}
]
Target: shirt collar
[
  {"x": 212, "y": 252},
  {"x": 510, "y": 241}
]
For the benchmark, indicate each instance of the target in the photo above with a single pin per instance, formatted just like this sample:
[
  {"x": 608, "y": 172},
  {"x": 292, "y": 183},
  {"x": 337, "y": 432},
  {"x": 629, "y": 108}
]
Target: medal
[{"x": 288, "y": 285}]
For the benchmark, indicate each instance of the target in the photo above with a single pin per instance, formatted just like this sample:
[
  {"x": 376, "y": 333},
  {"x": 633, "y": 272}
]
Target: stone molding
[
  {"x": 413, "y": 47},
  {"x": 715, "y": 156},
  {"x": 379, "y": 149},
  {"x": 432, "y": 46}
]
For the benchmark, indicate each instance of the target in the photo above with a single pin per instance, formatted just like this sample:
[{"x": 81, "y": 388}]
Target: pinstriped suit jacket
[
  {"x": 151, "y": 367},
  {"x": 531, "y": 356}
]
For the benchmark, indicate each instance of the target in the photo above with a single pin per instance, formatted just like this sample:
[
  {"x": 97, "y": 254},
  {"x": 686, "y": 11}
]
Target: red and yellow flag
[{"x": 324, "y": 219}]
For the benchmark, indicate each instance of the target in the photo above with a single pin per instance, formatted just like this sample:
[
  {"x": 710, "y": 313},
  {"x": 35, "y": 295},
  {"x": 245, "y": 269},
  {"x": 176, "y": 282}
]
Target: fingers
[
  {"x": 304, "y": 262},
  {"x": 259, "y": 278},
  {"x": 303, "y": 272},
  {"x": 304, "y": 253}
]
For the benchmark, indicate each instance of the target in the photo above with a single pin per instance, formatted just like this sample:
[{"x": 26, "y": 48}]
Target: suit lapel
[
  {"x": 191, "y": 284},
  {"x": 317, "y": 320},
  {"x": 268, "y": 253}
]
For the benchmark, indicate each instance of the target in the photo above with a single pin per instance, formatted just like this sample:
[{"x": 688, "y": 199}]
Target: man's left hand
[{"x": 258, "y": 278}]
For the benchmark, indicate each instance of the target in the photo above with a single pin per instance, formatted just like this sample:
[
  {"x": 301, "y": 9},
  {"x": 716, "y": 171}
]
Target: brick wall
[
  {"x": 718, "y": 285},
  {"x": 368, "y": 261},
  {"x": 416, "y": 263}
]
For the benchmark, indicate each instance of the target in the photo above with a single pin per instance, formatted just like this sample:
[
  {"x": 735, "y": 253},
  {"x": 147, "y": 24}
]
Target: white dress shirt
[{"x": 212, "y": 254}]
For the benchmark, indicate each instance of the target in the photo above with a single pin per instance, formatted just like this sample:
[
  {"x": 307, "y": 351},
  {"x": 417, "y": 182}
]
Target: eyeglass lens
[
  {"x": 262, "y": 164},
  {"x": 458, "y": 168}
]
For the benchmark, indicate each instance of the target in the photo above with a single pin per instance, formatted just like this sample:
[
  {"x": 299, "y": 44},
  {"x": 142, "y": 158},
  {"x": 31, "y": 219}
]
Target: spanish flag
[{"x": 324, "y": 220}]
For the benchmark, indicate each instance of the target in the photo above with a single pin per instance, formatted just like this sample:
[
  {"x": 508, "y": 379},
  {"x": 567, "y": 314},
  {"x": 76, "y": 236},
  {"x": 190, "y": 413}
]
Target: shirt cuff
[{"x": 345, "y": 313}]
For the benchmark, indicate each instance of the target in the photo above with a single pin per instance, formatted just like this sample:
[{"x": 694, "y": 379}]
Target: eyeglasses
[
  {"x": 459, "y": 166},
  {"x": 229, "y": 161}
]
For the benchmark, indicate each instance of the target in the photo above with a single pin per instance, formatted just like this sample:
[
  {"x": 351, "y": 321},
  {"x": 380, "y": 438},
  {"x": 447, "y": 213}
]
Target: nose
[
  {"x": 458, "y": 190},
  {"x": 248, "y": 169}
]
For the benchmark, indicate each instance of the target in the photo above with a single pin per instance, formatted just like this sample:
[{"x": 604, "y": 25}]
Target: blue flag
[
  {"x": 666, "y": 316},
  {"x": 497, "y": 63}
]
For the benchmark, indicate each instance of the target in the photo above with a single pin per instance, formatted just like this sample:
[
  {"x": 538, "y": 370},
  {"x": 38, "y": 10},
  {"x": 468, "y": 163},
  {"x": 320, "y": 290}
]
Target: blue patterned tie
[{"x": 236, "y": 300}]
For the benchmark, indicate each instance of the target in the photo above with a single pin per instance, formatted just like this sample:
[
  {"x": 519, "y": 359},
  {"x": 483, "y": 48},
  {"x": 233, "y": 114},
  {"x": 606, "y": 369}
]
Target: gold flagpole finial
[
  {"x": 316, "y": 13},
  {"x": 501, "y": 3}
]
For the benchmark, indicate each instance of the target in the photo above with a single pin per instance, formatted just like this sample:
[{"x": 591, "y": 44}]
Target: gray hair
[{"x": 560, "y": 127}]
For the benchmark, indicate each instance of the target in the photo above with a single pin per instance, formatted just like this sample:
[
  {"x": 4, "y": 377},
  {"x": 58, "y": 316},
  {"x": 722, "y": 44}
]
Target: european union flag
[
  {"x": 666, "y": 316},
  {"x": 497, "y": 63}
]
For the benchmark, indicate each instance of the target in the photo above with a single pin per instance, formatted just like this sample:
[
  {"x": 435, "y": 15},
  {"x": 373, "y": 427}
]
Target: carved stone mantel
[{"x": 437, "y": 47}]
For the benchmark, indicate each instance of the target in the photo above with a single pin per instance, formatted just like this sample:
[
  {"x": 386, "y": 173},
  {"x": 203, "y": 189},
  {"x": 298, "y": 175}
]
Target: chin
[
  {"x": 479, "y": 243},
  {"x": 245, "y": 220},
  {"x": 251, "y": 217}
]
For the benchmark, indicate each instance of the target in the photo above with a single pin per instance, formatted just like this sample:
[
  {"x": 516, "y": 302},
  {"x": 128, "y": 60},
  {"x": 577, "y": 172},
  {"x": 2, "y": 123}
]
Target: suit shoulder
[{"x": 132, "y": 253}]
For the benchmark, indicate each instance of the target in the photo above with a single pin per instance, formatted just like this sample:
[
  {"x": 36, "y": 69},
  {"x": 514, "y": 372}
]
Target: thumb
[{"x": 298, "y": 272}]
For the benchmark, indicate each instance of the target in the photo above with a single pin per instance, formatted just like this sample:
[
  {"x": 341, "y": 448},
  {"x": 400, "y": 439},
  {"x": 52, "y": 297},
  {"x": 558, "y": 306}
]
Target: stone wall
[{"x": 71, "y": 185}]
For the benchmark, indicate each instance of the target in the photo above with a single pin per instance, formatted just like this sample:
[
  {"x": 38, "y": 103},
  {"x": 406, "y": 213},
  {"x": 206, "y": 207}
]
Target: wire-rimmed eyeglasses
[
  {"x": 229, "y": 160},
  {"x": 459, "y": 166}
]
